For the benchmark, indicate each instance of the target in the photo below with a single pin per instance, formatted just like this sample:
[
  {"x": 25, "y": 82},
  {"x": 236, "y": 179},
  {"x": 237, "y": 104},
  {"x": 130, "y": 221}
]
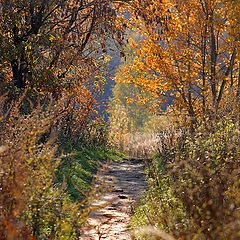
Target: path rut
[{"x": 126, "y": 184}]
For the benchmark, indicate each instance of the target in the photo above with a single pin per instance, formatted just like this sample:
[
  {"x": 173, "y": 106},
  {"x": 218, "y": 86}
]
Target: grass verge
[{"x": 79, "y": 166}]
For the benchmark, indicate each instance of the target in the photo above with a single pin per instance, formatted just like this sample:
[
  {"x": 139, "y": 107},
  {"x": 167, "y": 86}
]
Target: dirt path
[{"x": 126, "y": 181}]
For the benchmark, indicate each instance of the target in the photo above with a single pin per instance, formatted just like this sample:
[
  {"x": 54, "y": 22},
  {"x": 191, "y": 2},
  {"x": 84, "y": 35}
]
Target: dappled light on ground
[{"x": 125, "y": 181}]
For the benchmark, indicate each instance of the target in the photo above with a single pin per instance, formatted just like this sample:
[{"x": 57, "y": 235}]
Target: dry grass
[{"x": 151, "y": 233}]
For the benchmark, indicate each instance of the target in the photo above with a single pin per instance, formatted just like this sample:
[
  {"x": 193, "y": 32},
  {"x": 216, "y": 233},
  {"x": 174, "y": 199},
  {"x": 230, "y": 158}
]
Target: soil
[{"x": 125, "y": 183}]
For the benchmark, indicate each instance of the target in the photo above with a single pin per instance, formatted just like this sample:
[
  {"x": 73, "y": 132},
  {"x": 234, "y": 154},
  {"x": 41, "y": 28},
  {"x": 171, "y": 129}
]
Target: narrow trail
[{"x": 126, "y": 184}]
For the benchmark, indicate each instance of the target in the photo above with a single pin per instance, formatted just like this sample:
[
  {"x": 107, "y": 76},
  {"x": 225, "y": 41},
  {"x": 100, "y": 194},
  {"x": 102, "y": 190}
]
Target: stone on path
[{"x": 126, "y": 182}]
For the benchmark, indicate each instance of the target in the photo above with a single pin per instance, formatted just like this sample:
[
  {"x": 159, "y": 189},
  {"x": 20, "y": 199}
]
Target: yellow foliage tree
[{"x": 189, "y": 48}]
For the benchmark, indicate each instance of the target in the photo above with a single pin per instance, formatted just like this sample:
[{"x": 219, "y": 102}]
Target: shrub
[
  {"x": 195, "y": 183},
  {"x": 206, "y": 173},
  {"x": 32, "y": 205}
]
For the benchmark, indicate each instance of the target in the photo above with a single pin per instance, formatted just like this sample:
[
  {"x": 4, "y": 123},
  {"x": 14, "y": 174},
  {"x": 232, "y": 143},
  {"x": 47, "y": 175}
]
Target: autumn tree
[
  {"x": 188, "y": 48},
  {"x": 135, "y": 115},
  {"x": 46, "y": 44},
  {"x": 130, "y": 107},
  {"x": 53, "y": 47}
]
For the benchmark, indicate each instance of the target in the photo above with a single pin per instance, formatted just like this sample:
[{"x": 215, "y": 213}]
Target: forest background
[{"x": 175, "y": 101}]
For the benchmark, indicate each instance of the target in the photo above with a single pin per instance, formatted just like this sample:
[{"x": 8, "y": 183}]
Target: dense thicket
[
  {"x": 47, "y": 45},
  {"x": 194, "y": 183},
  {"x": 51, "y": 71}
]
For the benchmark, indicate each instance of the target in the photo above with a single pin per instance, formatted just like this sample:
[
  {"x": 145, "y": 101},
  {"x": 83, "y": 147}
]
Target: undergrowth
[
  {"x": 79, "y": 166},
  {"x": 45, "y": 184},
  {"x": 194, "y": 184}
]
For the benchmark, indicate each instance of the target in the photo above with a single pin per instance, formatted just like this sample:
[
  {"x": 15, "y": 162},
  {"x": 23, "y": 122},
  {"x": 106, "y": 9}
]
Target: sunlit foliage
[{"x": 188, "y": 48}]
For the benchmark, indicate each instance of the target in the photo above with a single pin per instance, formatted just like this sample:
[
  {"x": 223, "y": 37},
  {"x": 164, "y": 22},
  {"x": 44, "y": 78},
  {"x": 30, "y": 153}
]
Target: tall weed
[{"x": 194, "y": 182}]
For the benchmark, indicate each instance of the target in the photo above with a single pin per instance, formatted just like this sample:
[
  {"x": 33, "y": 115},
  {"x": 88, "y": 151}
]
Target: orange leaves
[
  {"x": 132, "y": 43},
  {"x": 138, "y": 65},
  {"x": 129, "y": 100},
  {"x": 185, "y": 48}
]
